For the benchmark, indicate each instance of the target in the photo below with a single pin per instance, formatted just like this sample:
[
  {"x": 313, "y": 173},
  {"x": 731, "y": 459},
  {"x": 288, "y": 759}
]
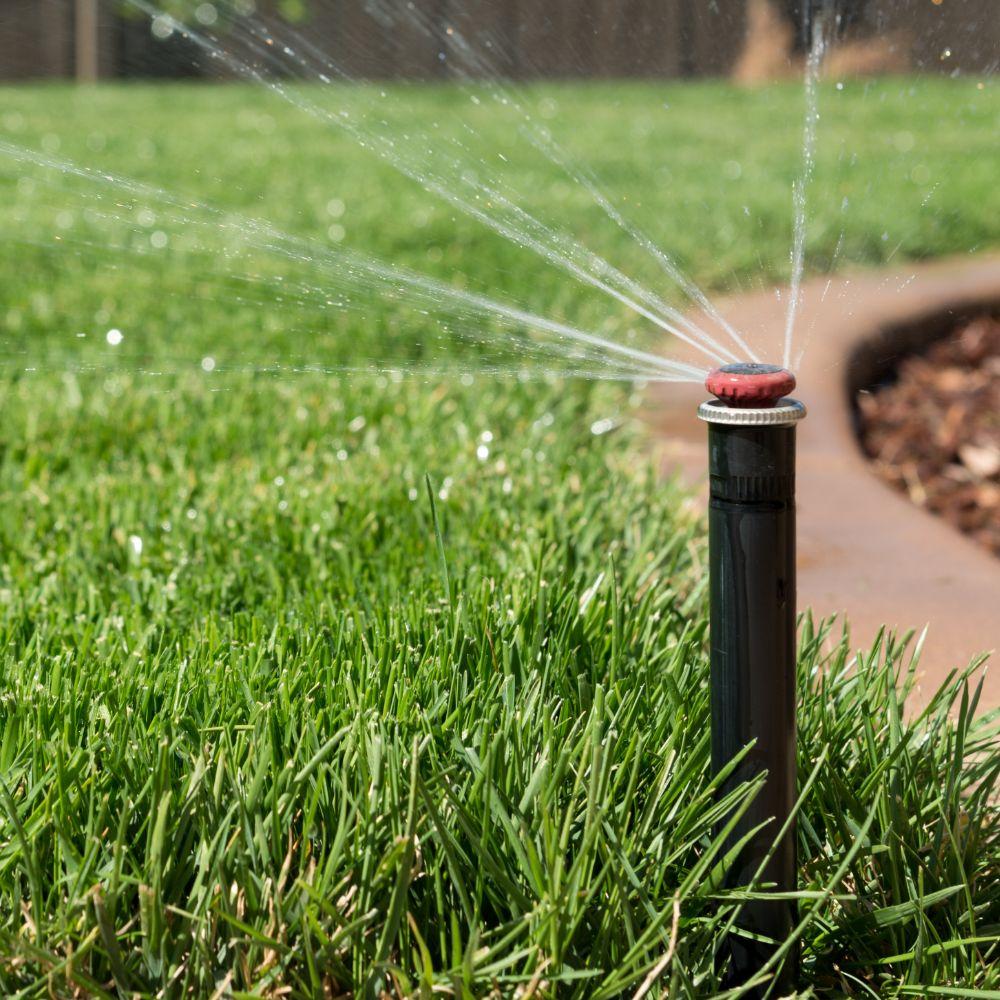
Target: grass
[{"x": 277, "y": 719}]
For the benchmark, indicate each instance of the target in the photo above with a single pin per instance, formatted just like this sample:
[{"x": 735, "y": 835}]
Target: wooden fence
[{"x": 521, "y": 39}]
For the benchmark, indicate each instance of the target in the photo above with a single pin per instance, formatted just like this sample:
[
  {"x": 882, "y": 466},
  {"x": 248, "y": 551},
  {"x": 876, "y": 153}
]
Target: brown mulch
[{"x": 934, "y": 433}]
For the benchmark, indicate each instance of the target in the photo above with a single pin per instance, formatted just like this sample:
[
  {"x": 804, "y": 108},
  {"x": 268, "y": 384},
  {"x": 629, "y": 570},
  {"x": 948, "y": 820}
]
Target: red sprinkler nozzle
[{"x": 750, "y": 385}]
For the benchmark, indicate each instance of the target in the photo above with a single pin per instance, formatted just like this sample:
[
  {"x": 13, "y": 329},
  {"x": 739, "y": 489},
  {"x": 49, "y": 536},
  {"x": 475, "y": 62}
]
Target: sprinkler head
[{"x": 750, "y": 385}]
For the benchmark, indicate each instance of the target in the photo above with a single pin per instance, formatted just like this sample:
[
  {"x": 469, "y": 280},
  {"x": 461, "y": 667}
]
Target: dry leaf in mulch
[{"x": 934, "y": 432}]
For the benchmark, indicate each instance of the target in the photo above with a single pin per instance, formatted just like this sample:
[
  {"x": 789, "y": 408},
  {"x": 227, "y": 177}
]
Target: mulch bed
[{"x": 934, "y": 432}]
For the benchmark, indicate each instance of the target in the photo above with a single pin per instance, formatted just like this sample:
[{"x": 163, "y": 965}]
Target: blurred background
[{"x": 753, "y": 40}]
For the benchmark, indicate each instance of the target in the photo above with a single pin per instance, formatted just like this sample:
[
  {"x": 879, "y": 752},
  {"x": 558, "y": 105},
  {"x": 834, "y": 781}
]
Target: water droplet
[
  {"x": 482, "y": 453},
  {"x": 336, "y": 233},
  {"x": 335, "y": 208},
  {"x": 208, "y": 364},
  {"x": 115, "y": 337},
  {"x": 206, "y": 14},
  {"x": 162, "y": 27},
  {"x": 159, "y": 239}
]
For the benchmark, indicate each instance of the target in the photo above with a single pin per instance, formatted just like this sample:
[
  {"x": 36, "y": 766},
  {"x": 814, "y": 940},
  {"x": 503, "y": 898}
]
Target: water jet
[{"x": 752, "y": 424}]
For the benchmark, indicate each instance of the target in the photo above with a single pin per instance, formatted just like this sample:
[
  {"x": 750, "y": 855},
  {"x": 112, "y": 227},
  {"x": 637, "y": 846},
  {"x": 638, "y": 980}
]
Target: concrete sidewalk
[{"x": 864, "y": 550}]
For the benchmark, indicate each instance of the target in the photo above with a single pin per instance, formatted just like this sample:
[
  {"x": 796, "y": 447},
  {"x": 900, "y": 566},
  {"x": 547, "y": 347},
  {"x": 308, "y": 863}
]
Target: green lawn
[{"x": 264, "y": 728}]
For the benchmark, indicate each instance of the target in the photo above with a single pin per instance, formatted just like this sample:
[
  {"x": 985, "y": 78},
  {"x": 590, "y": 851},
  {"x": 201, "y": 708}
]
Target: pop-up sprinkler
[{"x": 752, "y": 556}]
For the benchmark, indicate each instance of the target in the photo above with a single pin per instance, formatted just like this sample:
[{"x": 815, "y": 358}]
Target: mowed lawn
[{"x": 321, "y": 679}]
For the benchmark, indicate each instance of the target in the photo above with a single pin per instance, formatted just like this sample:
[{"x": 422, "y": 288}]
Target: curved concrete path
[{"x": 864, "y": 550}]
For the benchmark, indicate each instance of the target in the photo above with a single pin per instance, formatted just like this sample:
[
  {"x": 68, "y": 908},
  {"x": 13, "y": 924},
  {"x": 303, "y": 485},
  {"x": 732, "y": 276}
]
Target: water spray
[{"x": 753, "y": 642}]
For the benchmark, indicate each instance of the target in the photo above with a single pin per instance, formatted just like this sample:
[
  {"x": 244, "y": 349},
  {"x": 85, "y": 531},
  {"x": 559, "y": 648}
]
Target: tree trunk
[{"x": 88, "y": 48}]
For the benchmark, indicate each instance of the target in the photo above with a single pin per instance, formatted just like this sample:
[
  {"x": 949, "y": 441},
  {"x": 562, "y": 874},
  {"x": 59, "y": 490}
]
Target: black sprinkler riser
[{"x": 753, "y": 657}]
